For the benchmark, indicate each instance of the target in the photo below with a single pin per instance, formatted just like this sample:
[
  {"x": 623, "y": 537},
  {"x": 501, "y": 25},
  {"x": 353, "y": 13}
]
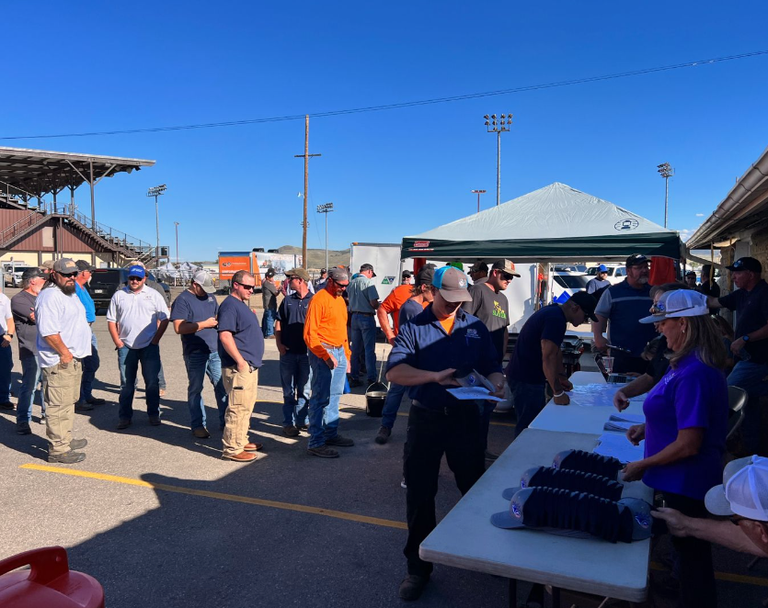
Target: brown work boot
[{"x": 241, "y": 457}]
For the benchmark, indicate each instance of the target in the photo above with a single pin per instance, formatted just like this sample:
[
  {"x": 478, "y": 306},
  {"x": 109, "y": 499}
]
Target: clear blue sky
[{"x": 88, "y": 66}]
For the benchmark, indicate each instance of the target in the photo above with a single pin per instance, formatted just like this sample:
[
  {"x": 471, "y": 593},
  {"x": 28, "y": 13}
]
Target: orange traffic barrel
[{"x": 49, "y": 582}]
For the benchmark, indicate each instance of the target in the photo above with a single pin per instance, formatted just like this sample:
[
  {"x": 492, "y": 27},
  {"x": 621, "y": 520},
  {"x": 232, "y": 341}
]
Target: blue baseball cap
[
  {"x": 136, "y": 271},
  {"x": 602, "y": 268}
]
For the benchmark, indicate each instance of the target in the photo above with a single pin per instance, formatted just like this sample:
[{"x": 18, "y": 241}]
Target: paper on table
[
  {"x": 618, "y": 446},
  {"x": 466, "y": 393},
  {"x": 623, "y": 417},
  {"x": 593, "y": 395}
]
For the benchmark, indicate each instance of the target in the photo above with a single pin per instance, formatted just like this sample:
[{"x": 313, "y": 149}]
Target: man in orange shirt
[
  {"x": 325, "y": 332},
  {"x": 391, "y": 306}
]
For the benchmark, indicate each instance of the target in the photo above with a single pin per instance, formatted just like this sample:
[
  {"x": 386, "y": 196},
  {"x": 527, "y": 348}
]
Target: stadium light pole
[
  {"x": 156, "y": 191},
  {"x": 666, "y": 171},
  {"x": 478, "y": 192},
  {"x": 498, "y": 126},
  {"x": 325, "y": 209},
  {"x": 177, "y": 242}
]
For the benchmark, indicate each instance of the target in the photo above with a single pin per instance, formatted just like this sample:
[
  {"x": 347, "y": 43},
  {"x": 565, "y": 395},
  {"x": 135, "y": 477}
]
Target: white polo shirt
[
  {"x": 137, "y": 315},
  {"x": 56, "y": 313},
  {"x": 5, "y": 313}
]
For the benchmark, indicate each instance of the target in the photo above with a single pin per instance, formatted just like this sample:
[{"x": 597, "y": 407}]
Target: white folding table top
[{"x": 467, "y": 539}]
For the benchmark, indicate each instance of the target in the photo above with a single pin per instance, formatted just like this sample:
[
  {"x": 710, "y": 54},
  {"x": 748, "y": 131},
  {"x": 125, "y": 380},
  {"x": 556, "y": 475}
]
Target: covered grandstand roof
[{"x": 26, "y": 173}]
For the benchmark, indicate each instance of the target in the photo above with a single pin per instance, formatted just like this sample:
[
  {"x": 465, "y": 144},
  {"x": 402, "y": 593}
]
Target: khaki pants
[
  {"x": 242, "y": 390},
  {"x": 62, "y": 389}
]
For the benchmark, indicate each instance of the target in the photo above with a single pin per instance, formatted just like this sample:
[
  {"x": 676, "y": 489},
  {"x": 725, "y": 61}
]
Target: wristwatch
[{"x": 745, "y": 338}]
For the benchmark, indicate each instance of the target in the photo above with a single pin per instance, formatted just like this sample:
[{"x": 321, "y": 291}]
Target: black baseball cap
[
  {"x": 365, "y": 267},
  {"x": 84, "y": 266},
  {"x": 747, "y": 263},
  {"x": 32, "y": 273},
  {"x": 407, "y": 273},
  {"x": 636, "y": 259},
  {"x": 587, "y": 303}
]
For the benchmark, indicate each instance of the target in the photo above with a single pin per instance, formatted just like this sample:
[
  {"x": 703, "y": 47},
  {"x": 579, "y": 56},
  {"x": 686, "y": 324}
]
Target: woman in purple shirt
[{"x": 686, "y": 418}]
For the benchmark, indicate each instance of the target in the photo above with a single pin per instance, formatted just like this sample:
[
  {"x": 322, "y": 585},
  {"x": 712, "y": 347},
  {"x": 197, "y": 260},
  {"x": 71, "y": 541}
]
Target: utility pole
[
  {"x": 478, "y": 192},
  {"x": 326, "y": 209},
  {"x": 306, "y": 156},
  {"x": 498, "y": 126},
  {"x": 177, "y": 242},
  {"x": 666, "y": 171},
  {"x": 156, "y": 191}
]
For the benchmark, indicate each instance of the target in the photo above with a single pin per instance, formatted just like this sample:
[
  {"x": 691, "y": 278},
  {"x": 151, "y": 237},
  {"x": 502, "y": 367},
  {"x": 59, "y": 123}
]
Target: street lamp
[
  {"x": 156, "y": 191},
  {"x": 177, "y": 242},
  {"x": 326, "y": 209},
  {"x": 478, "y": 192},
  {"x": 498, "y": 126},
  {"x": 666, "y": 171}
]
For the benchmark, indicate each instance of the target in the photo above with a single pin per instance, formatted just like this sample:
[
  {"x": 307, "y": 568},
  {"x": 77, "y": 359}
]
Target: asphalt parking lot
[{"x": 161, "y": 521}]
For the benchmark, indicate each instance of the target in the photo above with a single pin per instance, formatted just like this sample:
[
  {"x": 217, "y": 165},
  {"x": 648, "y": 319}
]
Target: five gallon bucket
[{"x": 375, "y": 396}]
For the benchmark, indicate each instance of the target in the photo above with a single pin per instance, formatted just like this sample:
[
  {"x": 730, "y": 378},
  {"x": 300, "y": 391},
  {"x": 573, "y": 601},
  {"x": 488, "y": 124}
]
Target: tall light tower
[
  {"x": 498, "y": 126},
  {"x": 666, "y": 171},
  {"x": 177, "y": 242},
  {"x": 157, "y": 191},
  {"x": 478, "y": 192},
  {"x": 326, "y": 209}
]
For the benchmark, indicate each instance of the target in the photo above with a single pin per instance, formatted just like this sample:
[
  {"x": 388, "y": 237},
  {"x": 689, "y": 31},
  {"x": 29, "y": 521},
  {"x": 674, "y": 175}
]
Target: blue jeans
[
  {"x": 529, "y": 400},
  {"x": 30, "y": 377},
  {"x": 749, "y": 376},
  {"x": 149, "y": 357},
  {"x": 6, "y": 365},
  {"x": 392, "y": 404},
  {"x": 268, "y": 322},
  {"x": 327, "y": 386},
  {"x": 121, "y": 354},
  {"x": 199, "y": 365},
  {"x": 363, "y": 341},
  {"x": 294, "y": 376},
  {"x": 91, "y": 365}
]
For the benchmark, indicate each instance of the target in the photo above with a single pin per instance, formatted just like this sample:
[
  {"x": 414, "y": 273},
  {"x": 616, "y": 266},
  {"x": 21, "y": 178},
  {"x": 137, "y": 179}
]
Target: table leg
[
  {"x": 513, "y": 593},
  {"x": 555, "y": 597}
]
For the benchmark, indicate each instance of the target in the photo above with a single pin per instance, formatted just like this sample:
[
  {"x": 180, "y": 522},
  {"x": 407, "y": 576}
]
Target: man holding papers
[{"x": 437, "y": 344}]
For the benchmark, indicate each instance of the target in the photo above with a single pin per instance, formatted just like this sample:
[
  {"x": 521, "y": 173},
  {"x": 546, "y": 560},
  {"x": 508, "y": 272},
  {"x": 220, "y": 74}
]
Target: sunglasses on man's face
[
  {"x": 135, "y": 279},
  {"x": 248, "y": 287},
  {"x": 69, "y": 275},
  {"x": 342, "y": 285}
]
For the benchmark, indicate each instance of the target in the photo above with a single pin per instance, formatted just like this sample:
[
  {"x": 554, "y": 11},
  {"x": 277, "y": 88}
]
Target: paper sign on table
[
  {"x": 618, "y": 446},
  {"x": 473, "y": 392}
]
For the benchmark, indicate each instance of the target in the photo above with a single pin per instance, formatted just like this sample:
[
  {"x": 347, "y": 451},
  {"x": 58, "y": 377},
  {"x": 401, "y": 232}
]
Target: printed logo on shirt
[
  {"x": 498, "y": 311},
  {"x": 668, "y": 378},
  {"x": 472, "y": 333}
]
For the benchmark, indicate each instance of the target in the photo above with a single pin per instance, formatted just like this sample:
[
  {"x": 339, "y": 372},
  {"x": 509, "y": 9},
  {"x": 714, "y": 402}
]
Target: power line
[{"x": 405, "y": 104}]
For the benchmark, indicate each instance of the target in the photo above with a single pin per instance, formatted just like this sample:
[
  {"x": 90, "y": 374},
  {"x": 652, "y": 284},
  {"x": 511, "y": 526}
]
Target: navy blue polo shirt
[
  {"x": 292, "y": 314},
  {"x": 422, "y": 343},
  {"x": 188, "y": 307},
  {"x": 624, "y": 306},
  {"x": 751, "y": 314},
  {"x": 527, "y": 365},
  {"x": 235, "y": 316},
  {"x": 408, "y": 310}
]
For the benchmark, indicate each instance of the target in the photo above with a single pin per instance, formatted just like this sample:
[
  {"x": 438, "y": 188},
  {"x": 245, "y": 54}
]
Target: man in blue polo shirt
[
  {"x": 294, "y": 362},
  {"x": 193, "y": 315},
  {"x": 620, "y": 308},
  {"x": 427, "y": 353},
  {"x": 92, "y": 362}
]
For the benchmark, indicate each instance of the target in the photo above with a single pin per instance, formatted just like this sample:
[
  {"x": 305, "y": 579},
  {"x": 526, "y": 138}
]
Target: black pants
[
  {"x": 457, "y": 434},
  {"x": 697, "y": 574}
]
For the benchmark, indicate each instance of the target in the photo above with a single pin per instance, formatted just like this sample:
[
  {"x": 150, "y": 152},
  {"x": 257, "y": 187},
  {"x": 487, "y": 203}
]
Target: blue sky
[{"x": 87, "y": 66}]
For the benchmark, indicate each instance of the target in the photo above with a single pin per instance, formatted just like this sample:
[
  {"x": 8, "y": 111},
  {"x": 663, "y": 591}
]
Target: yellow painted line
[
  {"x": 726, "y": 576},
  {"x": 286, "y": 506}
]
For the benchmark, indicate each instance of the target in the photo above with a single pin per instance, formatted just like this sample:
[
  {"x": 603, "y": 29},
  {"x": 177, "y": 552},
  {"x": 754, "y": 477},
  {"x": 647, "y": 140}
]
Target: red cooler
[{"x": 49, "y": 583}]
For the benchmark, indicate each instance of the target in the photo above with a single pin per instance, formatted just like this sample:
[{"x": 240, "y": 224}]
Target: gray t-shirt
[
  {"x": 269, "y": 294},
  {"x": 22, "y": 305},
  {"x": 596, "y": 284},
  {"x": 492, "y": 309}
]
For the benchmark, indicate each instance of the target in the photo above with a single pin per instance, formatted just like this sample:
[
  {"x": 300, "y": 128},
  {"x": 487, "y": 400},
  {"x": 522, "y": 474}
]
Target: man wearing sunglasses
[
  {"x": 63, "y": 340},
  {"x": 325, "y": 333},
  {"x": 137, "y": 318},
  {"x": 241, "y": 348}
]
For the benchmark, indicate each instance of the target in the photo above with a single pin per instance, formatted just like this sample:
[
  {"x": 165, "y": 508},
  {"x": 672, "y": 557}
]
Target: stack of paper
[
  {"x": 622, "y": 422},
  {"x": 593, "y": 395},
  {"x": 618, "y": 446}
]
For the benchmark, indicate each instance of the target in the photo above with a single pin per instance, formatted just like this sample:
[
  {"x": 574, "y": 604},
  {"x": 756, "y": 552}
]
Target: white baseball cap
[
  {"x": 203, "y": 279},
  {"x": 678, "y": 303},
  {"x": 744, "y": 490}
]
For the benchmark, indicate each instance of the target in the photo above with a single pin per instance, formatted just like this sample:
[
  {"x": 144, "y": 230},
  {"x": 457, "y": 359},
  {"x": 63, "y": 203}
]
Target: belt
[
  {"x": 367, "y": 314},
  {"x": 324, "y": 345}
]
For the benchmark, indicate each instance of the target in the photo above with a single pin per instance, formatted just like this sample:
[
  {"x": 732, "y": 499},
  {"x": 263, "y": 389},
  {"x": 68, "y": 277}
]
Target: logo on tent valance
[{"x": 624, "y": 225}]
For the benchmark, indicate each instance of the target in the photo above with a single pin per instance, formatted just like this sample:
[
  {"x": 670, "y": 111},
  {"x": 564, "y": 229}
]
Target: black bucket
[{"x": 375, "y": 396}]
